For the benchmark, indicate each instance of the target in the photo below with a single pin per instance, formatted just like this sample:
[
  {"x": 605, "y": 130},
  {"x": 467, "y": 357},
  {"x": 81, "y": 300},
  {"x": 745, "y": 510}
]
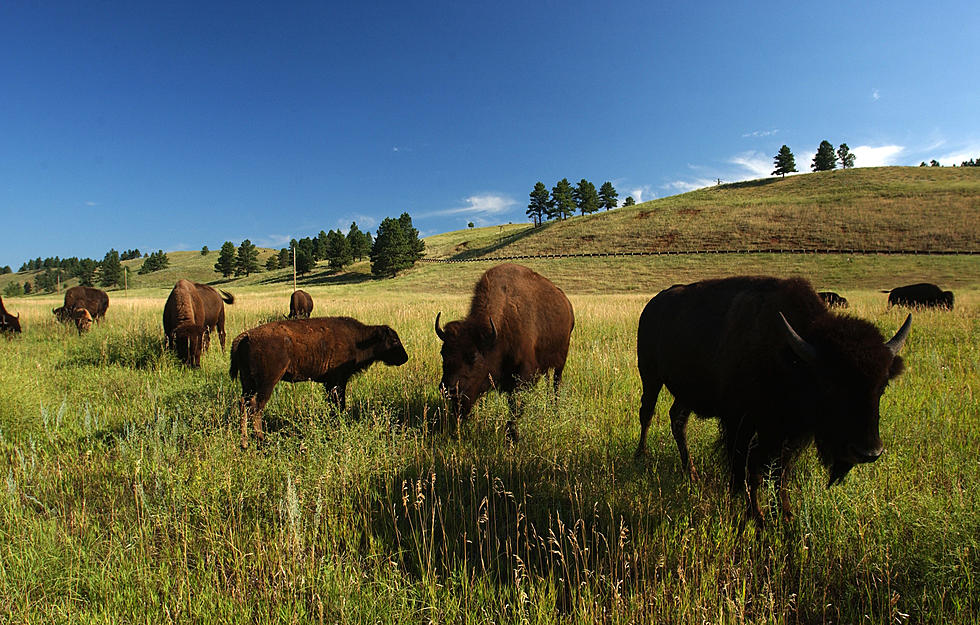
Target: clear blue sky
[{"x": 172, "y": 125}]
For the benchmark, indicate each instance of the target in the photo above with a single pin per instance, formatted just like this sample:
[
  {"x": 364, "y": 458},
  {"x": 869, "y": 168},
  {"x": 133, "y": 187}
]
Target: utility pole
[{"x": 294, "y": 267}]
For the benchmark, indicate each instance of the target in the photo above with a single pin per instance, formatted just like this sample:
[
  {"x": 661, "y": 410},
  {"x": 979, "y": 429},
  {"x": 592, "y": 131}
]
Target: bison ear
[
  {"x": 801, "y": 348},
  {"x": 489, "y": 339}
]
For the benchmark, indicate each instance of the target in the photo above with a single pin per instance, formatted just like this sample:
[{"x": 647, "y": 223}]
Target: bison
[
  {"x": 518, "y": 327},
  {"x": 775, "y": 366},
  {"x": 9, "y": 324},
  {"x": 95, "y": 301},
  {"x": 184, "y": 322},
  {"x": 214, "y": 311},
  {"x": 833, "y": 300},
  {"x": 328, "y": 350},
  {"x": 300, "y": 305},
  {"x": 923, "y": 294},
  {"x": 82, "y": 319}
]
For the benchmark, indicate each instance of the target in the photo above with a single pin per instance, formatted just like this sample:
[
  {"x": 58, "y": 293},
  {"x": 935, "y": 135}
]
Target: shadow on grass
[
  {"x": 503, "y": 241},
  {"x": 749, "y": 184},
  {"x": 321, "y": 278}
]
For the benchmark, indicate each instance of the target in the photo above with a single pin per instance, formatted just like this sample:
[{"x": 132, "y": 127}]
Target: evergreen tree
[
  {"x": 608, "y": 196},
  {"x": 226, "y": 259},
  {"x": 359, "y": 242},
  {"x": 111, "y": 270},
  {"x": 785, "y": 162},
  {"x": 846, "y": 156},
  {"x": 205, "y": 250},
  {"x": 247, "y": 259},
  {"x": 825, "y": 159},
  {"x": 28, "y": 289},
  {"x": 934, "y": 163},
  {"x": 6, "y": 269},
  {"x": 304, "y": 261},
  {"x": 391, "y": 251},
  {"x": 86, "y": 272},
  {"x": 154, "y": 262},
  {"x": 629, "y": 201},
  {"x": 586, "y": 198},
  {"x": 338, "y": 250},
  {"x": 416, "y": 246},
  {"x": 540, "y": 205},
  {"x": 285, "y": 258},
  {"x": 321, "y": 246},
  {"x": 13, "y": 289},
  {"x": 272, "y": 263},
  {"x": 562, "y": 200}
]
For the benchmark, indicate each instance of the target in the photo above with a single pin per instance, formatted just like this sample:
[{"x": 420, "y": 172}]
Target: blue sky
[{"x": 180, "y": 124}]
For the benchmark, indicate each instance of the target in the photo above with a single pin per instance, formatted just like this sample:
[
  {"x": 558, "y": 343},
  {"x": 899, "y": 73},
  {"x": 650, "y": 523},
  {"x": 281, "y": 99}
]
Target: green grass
[{"x": 125, "y": 494}]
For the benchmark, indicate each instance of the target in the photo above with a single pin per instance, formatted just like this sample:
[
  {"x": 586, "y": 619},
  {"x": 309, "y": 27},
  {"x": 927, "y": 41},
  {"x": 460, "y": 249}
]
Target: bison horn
[
  {"x": 439, "y": 331},
  {"x": 896, "y": 343},
  {"x": 801, "y": 348},
  {"x": 493, "y": 331}
]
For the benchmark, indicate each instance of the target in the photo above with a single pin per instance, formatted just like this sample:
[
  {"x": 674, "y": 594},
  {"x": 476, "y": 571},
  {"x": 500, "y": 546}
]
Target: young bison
[{"x": 328, "y": 350}]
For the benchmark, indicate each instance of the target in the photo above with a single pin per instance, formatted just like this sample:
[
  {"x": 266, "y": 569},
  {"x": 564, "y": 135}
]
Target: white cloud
[
  {"x": 875, "y": 95},
  {"x": 760, "y": 133},
  {"x": 364, "y": 223},
  {"x": 754, "y": 164},
  {"x": 90, "y": 203},
  {"x": 479, "y": 206},
  {"x": 868, "y": 156},
  {"x": 683, "y": 186},
  {"x": 960, "y": 155},
  {"x": 273, "y": 240},
  {"x": 638, "y": 194}
]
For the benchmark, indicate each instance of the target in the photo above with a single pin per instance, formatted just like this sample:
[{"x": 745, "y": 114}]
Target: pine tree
[
  {"x": 390, "y": 249},
  {"x": 540, "y": 205},
  {"x": 205, "y": 250},
  {"x": 272, "y": 263},
  {"x": 825, "y": 159},
  {"x": 416, "y": 246},
  {"x": 247, "y": 259},
  {"x": 586, "y": 198},
  {"x": 304, "y": 262},
  {"x": 111, "y": 273},
  {"x": 338, "y": 252},
  {"x": 608, "y": 196},
  {"x": 785, "y": 162},
  {"x": 320, "y": 246},
  {"x": 226, "y": 259},
  {"x": 360, "y": 242},
  {"x": 285, "y": 257},
  {"x": 562, "y": 200},
  {"x": 846, "y": 156},
  {"x": 629, "y": 201}
]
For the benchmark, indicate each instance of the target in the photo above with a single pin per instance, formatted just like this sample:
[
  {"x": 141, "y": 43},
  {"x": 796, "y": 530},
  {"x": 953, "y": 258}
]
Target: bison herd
[{"x": 769, "y": 358}]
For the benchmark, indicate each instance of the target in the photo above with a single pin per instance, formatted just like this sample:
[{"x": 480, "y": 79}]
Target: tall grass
[{"x": 125, "y": 497}]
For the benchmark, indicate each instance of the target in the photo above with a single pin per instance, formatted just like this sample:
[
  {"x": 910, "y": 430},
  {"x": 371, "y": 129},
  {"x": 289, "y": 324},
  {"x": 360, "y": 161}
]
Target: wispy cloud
[
  {"x": 273, "y": 240},
  {"x": 875, "y": 95},
  {"x": 868, "y": 156},
  {"x": 747, "y": 166},
  {"x": 91, "y": 203},
  {"x": 643, "y": 193},
  {"x": 364, "y": 223},
  {"x": 959, "y": 155},
  {"x": 753, "y": 165},
  {"x": 486, "y": 205},
  {"x": 760, "y": 133}
]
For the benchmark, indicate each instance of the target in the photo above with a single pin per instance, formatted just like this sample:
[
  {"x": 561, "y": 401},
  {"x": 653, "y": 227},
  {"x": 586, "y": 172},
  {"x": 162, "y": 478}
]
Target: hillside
[{"x": 902, "y": 208}]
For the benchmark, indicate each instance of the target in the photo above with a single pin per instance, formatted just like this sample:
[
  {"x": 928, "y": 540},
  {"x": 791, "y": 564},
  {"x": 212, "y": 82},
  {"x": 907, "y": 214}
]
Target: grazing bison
[
  {"x": 833, "y": 299},
  {"x": 923, "y": 294},
  {"x": 518, "y": 327},
  {"x": 300, "y": 305},
  {"x": 183, "y": 322},
  {"x": 328, "y": 350},
  {"x": 9, "y": 324},
  {"x": 95, "y": 301},
  {"x": 82, "y": 319},
  {"x": 777, "y": 368},
  {"x": 214, "y": 311}
]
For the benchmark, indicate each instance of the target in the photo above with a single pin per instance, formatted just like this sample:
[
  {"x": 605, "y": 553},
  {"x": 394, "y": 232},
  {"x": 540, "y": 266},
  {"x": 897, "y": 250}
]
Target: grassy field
[{"x": 127, "y": 499}]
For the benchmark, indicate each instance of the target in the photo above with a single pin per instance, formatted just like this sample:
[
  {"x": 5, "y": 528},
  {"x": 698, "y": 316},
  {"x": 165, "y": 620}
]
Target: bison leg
[
  {"x": 648, "y": 404},
  {"x": 785, "y": 460},
  {"x": 254, "y": 405},
  {"x": 679, "y": 416},
  {"x": 338, "y": 394}
]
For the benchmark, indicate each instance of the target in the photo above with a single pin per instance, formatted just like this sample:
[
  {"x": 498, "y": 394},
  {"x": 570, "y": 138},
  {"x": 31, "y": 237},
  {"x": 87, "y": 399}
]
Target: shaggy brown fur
[
  {"x": 924, "y": 294},
  {"x": 328, "y": 350},
  {"x": 83, "y": 320},
  {"x": 723, "y": 350},
  {"x": 519, "y": 327},
  {"x": 214, "y": 312},
  {"x": 300, "y": 305},
  {"x": 95, "y": 301},
  {"x": 9, "y": 324},
  {"x": 183, "y": 322}
]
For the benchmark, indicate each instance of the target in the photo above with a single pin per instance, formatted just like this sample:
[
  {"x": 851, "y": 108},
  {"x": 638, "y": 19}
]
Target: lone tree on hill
[
  {"x": 226, "y": 259},
  {"x": 540, "y": 205},
  {"x": 247, "y": 259},
  {"x": 205, "y": 250},
  {"x": 846, "y": 156},
  {"x": 562, "y": 200},
  {"x": 111, "y": 270},
  {"x": 785, "y": 162},
  {"x": 629, "y": 201},
  {"x": 586, "y": 197},
  {"x": 825, "y": 159},
  {"x": 608, "y": 196}
]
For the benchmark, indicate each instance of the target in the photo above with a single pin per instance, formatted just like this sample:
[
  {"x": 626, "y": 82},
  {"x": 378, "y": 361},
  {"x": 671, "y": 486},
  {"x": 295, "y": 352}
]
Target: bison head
[
  {"x": 386, "y": 346},
  {"x": 9, "y": 323},
  {"x": 83, "y": 320},
  {"x": 62, "y": 314},
  {"x": 467, "y": 371},
  {"x": 845, "y": 370}
]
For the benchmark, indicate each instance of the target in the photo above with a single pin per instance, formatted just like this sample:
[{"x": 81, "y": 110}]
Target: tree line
[
  {"x": 564, "y": 199},
  {"x": 107, "y": 273},
  {"x": 825, "y": 159}
]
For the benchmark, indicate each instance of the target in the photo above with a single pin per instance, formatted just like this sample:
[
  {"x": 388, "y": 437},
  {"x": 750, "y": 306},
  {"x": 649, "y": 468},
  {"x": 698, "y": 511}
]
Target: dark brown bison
[
  {"x": 923, "y": 294},
  {"x": 833, "y": 299},
  {"x": 300, "y": 305},
  {"x": 328, "y": 350},
  {"x": 777, "y": 368},
  {"x": 518, "y": 327},
  {"x": 184, "y": 322},
  {"x": 95, "y": 301},
  {"x": 214, "y": 311},
  {"x": 9, "y": 324}
]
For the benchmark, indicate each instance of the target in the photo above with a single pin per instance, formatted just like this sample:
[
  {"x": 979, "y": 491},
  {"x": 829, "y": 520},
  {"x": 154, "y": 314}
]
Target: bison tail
[
  {"x": 239, "y": 349},
  {"x": 228, "y": 297}
]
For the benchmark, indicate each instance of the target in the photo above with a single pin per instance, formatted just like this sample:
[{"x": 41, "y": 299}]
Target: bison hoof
[{"x": 512, "y": 436}]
